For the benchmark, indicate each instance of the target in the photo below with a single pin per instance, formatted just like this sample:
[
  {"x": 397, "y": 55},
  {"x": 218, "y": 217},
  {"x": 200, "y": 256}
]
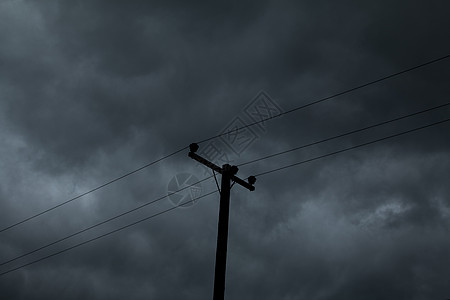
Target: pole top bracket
[{"x": 231, "y": 170}]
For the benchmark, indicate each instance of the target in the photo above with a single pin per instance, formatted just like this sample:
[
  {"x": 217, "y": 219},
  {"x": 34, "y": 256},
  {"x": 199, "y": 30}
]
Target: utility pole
[{"x": 228, "y": 174}]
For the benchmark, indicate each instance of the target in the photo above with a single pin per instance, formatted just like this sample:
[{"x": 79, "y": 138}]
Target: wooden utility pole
[{"x": 228, "y": 174}]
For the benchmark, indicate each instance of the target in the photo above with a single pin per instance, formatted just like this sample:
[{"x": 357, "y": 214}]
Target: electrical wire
[
  {"x": 246, "y": 163},
  {"x": 104, "y": 235},
  {"x": 224, "y": 133},
  {"x": 257, "y": 175},
  {"x": 350, "y": 148},
  {"x": 345, "y": 134},
  {"x": 100, "y": 223},
  {"x": 330, "y": 97},
  {"x": 91, "y": 191}
]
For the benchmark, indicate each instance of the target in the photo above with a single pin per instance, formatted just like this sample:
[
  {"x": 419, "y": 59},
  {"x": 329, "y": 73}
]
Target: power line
[
  {"x": 246, "y": 163},
  {"x": 92, "y": 190},
  {"x": 224, "y": 133},
  {"x": 260, "y": 174},
  {"x": 350, "y": 148},
  {"x": 105, "y": 234},
  {"x": 332, "y": 96},
  {"x": 101, "y": 223},
  {"x": 345, "y": 134}
]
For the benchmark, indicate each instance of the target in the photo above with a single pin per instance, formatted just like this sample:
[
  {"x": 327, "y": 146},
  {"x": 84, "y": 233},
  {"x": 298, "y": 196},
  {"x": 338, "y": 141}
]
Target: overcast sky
[{"x": 90, "y": 90}]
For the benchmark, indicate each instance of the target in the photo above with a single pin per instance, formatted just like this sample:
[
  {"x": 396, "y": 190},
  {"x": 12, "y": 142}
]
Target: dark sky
[{"x": 90, "y": 90}]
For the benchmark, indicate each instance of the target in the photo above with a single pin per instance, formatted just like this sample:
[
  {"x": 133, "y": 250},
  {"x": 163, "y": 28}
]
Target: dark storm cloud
[
  {"x": 92, "y": 89},
  {"x": 110, "y": 59}
]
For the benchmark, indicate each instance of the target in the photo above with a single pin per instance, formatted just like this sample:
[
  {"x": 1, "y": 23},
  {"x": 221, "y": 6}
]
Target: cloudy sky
[{"x": 91, "y": 90}]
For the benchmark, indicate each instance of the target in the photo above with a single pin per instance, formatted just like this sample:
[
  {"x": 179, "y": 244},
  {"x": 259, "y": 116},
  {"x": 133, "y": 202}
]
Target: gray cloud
[{"x": 90, "y": 90}]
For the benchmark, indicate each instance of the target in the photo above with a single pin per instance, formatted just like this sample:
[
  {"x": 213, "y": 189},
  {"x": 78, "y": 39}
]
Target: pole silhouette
[{"x": 228, "y": 174}]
